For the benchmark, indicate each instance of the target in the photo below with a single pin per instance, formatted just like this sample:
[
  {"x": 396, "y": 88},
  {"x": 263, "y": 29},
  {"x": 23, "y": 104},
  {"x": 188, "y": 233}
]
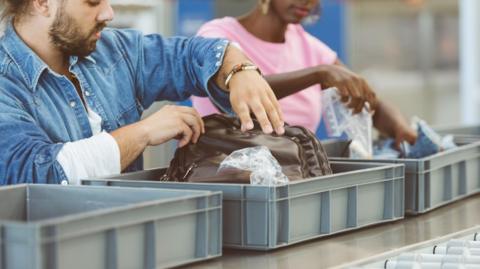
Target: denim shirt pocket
[{"x": 129, "y": 115}]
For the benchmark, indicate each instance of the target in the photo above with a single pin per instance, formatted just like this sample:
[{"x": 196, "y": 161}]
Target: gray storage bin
[
  {"x": 432, "y": 181},
  {"x": 469, "y": 133},
  {"x": 263, "y": 218},
  {"x": 52, "y": 226}
]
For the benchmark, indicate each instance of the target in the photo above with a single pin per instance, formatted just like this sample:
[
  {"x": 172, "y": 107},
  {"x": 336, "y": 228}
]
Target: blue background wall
[
  {"x": 330, "y": 28},
  {"x": 191, "y": 13}
]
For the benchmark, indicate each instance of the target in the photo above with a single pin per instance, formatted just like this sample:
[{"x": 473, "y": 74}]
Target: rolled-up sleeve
[
  {"x": 27, "y": 155},
  {"x": 174, "y": 68},
  {"x": 96, "y": 156}
]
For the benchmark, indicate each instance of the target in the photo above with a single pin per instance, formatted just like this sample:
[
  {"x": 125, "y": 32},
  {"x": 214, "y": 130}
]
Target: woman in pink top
[{"x": 272, "y": 37}]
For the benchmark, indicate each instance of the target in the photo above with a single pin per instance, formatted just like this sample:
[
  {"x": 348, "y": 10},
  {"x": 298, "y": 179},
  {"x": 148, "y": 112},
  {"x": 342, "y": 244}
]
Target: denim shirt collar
[{"x": 30, "y": 65}]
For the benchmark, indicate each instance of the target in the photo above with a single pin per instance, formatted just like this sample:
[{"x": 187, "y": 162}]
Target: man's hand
[
  {"x": 353, "y": 89},
  {"x": 250, "y": 93},
  {"x": 179, "y": 122}
]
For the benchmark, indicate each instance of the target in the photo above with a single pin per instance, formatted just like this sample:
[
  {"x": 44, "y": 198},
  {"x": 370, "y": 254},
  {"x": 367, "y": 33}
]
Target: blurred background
[{"x": 420, "y": 55}]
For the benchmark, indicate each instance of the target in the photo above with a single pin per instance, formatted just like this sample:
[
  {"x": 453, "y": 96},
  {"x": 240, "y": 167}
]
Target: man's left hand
[{"x": 249, "y": 92}]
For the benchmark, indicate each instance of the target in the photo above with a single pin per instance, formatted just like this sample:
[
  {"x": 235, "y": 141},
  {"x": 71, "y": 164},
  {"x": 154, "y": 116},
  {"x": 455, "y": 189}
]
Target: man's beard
[{"x": 66, "y": 35}]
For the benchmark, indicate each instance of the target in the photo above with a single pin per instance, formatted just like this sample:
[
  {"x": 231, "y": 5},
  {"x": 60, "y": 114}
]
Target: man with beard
[{"x": 72, "y": 93}]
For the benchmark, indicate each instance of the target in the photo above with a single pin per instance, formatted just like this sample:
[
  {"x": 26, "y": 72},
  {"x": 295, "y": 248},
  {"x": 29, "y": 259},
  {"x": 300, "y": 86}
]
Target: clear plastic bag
[
  {"x": 265, "y": 169},
  {"x": 340, "y": 119}
]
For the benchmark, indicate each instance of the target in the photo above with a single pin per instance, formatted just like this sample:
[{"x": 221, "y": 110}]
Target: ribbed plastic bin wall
[
  {"x": 433, "y": 181},
  {"x": 469, "y": 133},
  {"x": 263, "y": 218},
  {"x": 51, "y": 227},
  {"x": 457, "y": 250}
]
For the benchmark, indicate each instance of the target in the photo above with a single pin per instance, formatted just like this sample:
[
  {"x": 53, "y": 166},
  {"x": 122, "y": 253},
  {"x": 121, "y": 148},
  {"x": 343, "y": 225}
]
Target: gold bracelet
[{"x": 238, "y": 68}]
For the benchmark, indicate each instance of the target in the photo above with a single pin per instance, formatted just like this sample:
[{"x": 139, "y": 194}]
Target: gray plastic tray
[
  {"x": 426, "y": 249},
  {"x": 49, "y": 227},
  {"x": 263, "y": 218},
  {"x": 433, "y": 181},
  {"x": 469, "y": 133}
]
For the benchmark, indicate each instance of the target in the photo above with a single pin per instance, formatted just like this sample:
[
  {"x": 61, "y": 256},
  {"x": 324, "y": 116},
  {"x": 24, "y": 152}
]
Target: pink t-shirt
[{"x": 300, "y": 50}]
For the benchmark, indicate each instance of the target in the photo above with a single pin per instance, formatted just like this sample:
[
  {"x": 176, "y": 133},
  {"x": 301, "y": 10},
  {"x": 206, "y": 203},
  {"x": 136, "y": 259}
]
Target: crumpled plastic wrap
[
  {"x": 265, "y": 169},
  {"x": 341, "y": 120}
]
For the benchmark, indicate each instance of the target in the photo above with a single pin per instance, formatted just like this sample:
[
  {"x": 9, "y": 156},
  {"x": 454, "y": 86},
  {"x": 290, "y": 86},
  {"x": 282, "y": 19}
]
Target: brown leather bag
[{"x": 298, "y": 152}]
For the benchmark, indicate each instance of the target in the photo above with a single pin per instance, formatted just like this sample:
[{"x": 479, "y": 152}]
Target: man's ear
[{"x": 43, "y": 7}]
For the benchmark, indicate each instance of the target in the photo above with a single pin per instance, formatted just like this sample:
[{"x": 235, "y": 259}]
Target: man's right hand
[
  {"x": 353, "y": 89},
  {"x": 172, "y": 122},
  {"x": 180, "y": 122}
]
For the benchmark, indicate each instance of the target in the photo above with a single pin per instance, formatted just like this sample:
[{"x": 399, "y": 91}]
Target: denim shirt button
[
  {"x": 218, "y": 64},
  {"x": 64, "y": 183},
  {"x": 73, "y": 104},
  {"x": 87, "y": 93}
]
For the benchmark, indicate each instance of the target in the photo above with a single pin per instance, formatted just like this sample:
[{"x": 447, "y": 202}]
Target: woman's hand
[
  {"x": 389, "y": 121},
  {"x": 353, "y": 89}
]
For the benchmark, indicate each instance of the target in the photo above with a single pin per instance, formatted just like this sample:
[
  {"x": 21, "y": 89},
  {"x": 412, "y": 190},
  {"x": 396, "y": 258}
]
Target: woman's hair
[{"x": 11, "y": 8}]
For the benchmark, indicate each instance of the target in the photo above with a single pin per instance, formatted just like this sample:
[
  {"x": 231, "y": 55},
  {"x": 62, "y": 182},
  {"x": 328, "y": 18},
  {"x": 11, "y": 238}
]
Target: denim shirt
[{"x": 41, "y": 110}]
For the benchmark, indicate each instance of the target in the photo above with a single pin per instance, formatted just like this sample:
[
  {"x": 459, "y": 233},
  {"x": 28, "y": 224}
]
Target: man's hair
[{"x": 11, "y": 8}]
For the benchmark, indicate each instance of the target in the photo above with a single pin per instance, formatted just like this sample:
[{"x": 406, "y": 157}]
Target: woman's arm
[
  {"x": 387, "y": 118},
  {"x": 286, "y": 84},
  {"x": 389, "y": 121},
  {"x": 354, "y": 90}
]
